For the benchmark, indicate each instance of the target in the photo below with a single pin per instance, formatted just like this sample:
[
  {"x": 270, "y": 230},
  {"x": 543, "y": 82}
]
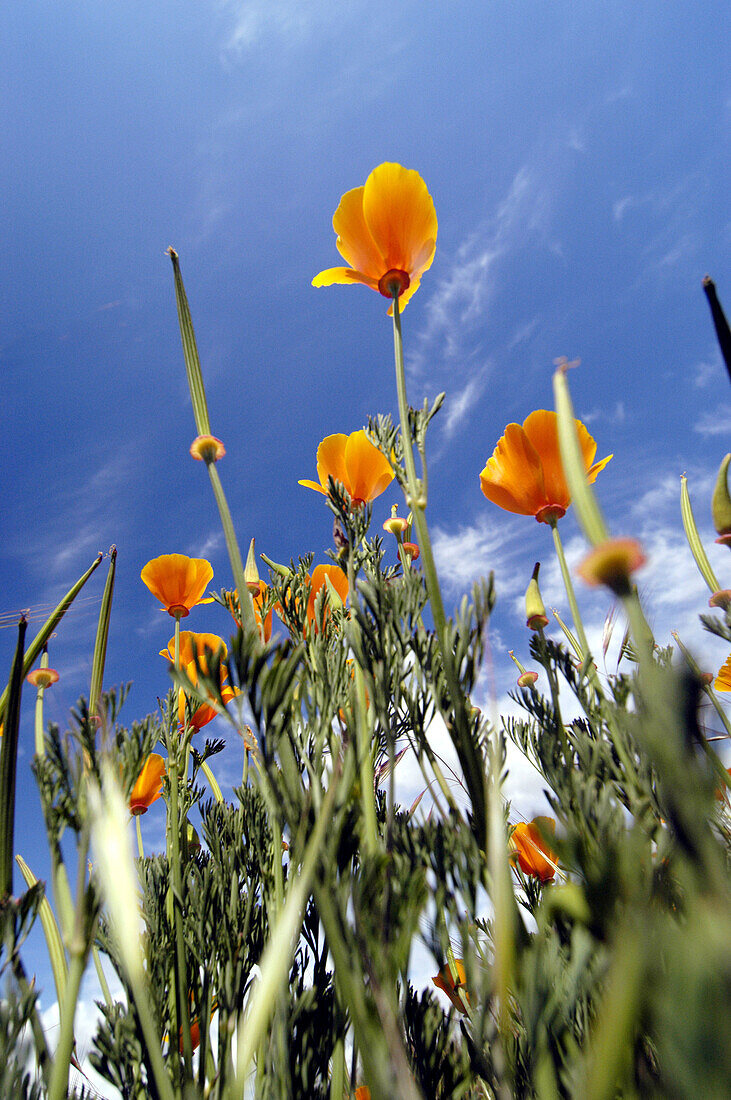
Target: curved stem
[{"x": 568, "y": 585}]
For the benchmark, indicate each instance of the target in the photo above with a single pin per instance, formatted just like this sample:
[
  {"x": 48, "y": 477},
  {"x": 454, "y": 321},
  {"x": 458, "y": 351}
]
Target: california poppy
[
  {"x": 525, "y": 474},
  {"x": 446, "y": 982},
  {"x": 192, "y": 643},
  {"x": 387, "y": 233},
  {"x": 321, "y": 574},
  {"x": 178, "y": 582},
  {"x": 354, "y": 461},
  {"x": 148, "y": 787},
  {"x": 530, "y": 849}
]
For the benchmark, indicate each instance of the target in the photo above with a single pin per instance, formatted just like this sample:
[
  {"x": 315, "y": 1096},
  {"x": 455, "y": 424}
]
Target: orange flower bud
[{"x": 530, "y": 849}]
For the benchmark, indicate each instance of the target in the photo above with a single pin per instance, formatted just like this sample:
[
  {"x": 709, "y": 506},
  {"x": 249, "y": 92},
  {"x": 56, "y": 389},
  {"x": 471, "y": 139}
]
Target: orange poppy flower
[
  {"x": 723, "y": 680},
  {"x": 148, "y": 787},
  {"x": 445, "y": 981},
  {"x": 204, "y": 712},
  {"x": 320, "y": 575},
  {"x": 525, "y": 474},
  {"x": 354, "y": 461},
  {"x": 178, "y": 582},
  {"x": 530, "y": 849},
  {"x": 387, "y": 232},
  {"x": 231, "y": 599},
  {"x": 191, "y": 644}
]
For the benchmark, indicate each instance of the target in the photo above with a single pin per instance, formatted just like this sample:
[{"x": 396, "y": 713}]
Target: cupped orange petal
[
  {"x": 355, "y": 242},
  {"x": 513, "y": 477},
  {"x": 148, "y": 787},
  {"x": 177, "y": 581},
  {"x": 531, "y": 850},
  {"x": 399, "y": 213},
  {"x": 320, "y": 575},
  {"x": 368, "y": 471},
  {"x": 334, "y": 276},
  {"x": 541, "y": 430}
]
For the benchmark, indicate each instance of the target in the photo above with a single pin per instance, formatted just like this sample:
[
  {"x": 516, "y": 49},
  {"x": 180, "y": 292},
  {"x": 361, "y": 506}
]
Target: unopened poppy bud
[
  {"x": 396, "y": 525},
  {"x": 535, "y": 611},
  {"x": 722, "y": 598},
  {"x": 193, "y": 840},
  {"x": 42, "y": 677},
  {"x": 721, "y": 504},
  {"x": 612, "y": 564},
  {"x": 412, "y": 550},
  {"x": 251, "y": 573},
  {"x": 206, "y": 448},
  {"x": 527, "y": 679}
]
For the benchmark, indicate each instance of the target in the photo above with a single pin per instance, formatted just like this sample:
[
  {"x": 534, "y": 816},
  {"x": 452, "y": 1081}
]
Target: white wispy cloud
[
  {"x": 458, "y": 405},
  {"x": 248, "y": 22},
  {"x": 715, "y": 421}
]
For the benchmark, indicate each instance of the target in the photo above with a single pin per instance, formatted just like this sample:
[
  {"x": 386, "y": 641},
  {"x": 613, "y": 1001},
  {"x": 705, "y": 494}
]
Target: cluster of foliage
[{"x": 270, "y": 956}]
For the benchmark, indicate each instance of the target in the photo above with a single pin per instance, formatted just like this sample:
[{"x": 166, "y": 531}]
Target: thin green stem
[
  {"x": 248, "y": 620},
  {"x": 58, "y": 1087},
  {"x": 138, "y": 830},
  {"x": 568, "y": 585},
  {"x": 104, "y": 984}
]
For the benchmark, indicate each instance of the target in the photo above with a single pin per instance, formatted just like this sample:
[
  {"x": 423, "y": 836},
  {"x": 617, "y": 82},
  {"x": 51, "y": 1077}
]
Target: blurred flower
[
  {"x": 445, "y": 981},
  {"x": 723, "y": 680},
  {"x": 526, "y": 679},
  {"x": 42, "y": 677},
  {"x": 362, "y": 1093},
  {"x": 612, "y": 564},
  {"x": 387, "y": 232},
  {"x": 525, "y": 474},
  {"x": 206, "y": 448},
  {"x": 192, "y": 643},
  {"x": 354, "y": 461},
  {"x": 530, "y": 849},
  {"x": 178, "y": 582},
  {"x": 148, "y": 787},
  {"x": 411, "y": 550},
  {"x": 203, "y": 712}
]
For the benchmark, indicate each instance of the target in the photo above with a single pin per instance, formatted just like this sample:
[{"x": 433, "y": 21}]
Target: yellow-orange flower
[
  {"x": 723, "y": 680},
  {"x": 320, "y": 575},
  {"x": 148, "y": 787},
  {"x": 204, "y": 712},
  {"x": 231, "y": 599},
  {"x": 530, "y": 849},
  {"x": 445, "y": 981},
  {"x": 192, "y": 643},
  {"x": 525, "y": 474},
  {"x": 178, "y": 582},
  {"x": 387, "y": 233},
  {"x": 354, "y": 461},
  {"x": 362, "y": 1093},
  {"x": 42, "y": 677}
]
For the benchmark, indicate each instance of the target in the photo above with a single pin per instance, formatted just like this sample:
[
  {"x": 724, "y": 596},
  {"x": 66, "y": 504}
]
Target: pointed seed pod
[
  {"x": 535, "y": 611},
  {"x": 721, "y": 504}
]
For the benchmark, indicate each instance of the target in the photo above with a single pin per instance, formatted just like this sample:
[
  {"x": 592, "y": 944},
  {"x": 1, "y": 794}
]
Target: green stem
[
  {"x": 138, "y": 830},
  {"x": 58, "y": 1087},
  {"x": 248, "y": 620},
  {"x": 458, "y": 723},
  {"x": 568, "y": 585},
  {"x": 212, "y": 780},
  {"x": 102, "y": 977}
]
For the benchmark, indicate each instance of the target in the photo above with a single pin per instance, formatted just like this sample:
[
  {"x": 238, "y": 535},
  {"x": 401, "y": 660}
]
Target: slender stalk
[
  {"x": 39, "y": 726},
  {"x": 248, "y": 620},
  {"x": 212, "y": 780},
  {"x": 365, "y": 763},
  {"x": 9, "y": 762},
  {"x": 568, "y": 585},
  {"x": 467, "y": 752},
  {"x": 138, "y": 830},
  {"x": 58, "y": 1087},
  {"x": 101, "y": 976}
]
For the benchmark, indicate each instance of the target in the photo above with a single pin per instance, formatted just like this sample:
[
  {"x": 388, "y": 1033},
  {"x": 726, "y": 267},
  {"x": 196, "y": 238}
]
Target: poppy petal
[
  {"x": 333, "y": 275},
  {"x": 331, "y": 460},
  {"x": 400, "y": 214},
  {"x": 513, "y": 477},
  {"x": 355, "y": 243},
  {"x": 369, "y": 472}
]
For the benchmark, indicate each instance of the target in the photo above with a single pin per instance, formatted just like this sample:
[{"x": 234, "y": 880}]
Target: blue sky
[{"x": 577, "y": 157}]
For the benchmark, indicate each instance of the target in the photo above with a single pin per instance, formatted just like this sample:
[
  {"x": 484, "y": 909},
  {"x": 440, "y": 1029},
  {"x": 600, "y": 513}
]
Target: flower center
[{"x": 394, "y": 282}]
